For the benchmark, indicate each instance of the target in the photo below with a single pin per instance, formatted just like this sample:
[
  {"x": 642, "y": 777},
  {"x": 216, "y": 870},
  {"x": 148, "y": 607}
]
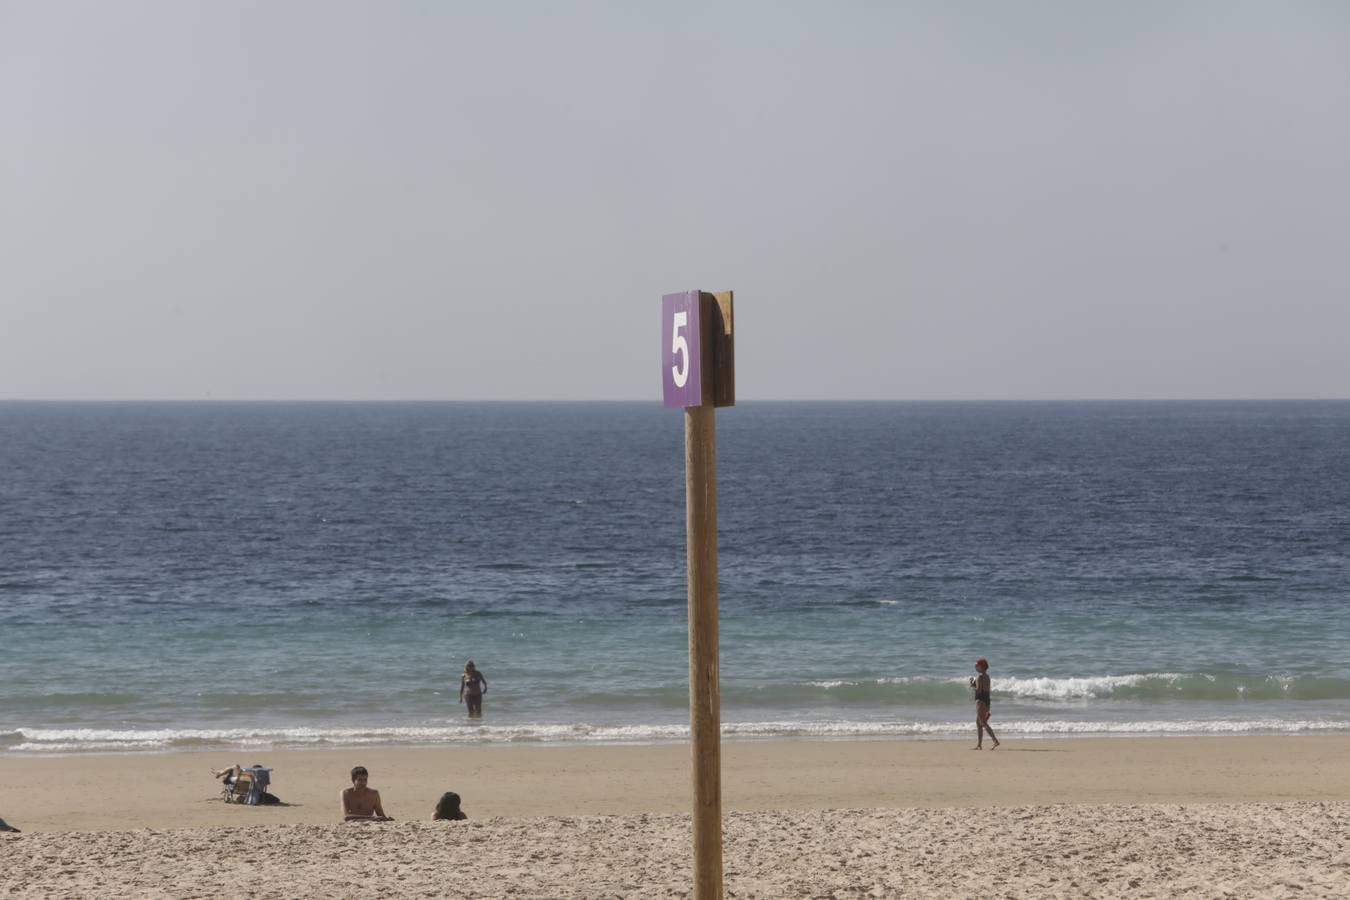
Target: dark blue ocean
[{"x": 212, "y": 575}]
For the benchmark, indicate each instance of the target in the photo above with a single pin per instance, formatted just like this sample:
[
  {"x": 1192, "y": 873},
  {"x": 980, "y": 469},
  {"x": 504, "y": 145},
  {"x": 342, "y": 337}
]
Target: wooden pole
[{"x": 705, "y": 714}]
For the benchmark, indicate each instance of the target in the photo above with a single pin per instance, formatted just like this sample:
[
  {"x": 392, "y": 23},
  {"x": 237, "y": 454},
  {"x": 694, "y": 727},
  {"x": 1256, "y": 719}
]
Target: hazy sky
[{"x": 444, "y": 200}]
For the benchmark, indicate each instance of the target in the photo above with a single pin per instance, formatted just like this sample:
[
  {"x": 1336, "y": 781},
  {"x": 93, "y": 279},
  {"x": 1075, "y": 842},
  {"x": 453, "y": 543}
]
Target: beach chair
[
  {"x": 238, "y": 790},
  {"x": 261, "y": 779},
  {"x": 249, "y": 787}
]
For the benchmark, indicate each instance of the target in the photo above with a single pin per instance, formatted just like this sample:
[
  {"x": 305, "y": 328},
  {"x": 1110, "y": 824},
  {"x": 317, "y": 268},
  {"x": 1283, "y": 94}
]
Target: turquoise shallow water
[{"x": 179, "y": 575}]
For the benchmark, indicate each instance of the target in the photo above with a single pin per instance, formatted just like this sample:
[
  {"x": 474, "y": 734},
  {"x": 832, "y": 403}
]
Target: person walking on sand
[
  {"x": 472, "y": 687},
  {"x": 361, "y": 803},
  {"x": 980, "y": 683}
]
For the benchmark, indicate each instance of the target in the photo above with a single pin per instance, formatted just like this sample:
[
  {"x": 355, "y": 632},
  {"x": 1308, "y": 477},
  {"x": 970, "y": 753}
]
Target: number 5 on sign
[
  {"x": 697, "y": 350},
  {"x": 679, "y": 345}
]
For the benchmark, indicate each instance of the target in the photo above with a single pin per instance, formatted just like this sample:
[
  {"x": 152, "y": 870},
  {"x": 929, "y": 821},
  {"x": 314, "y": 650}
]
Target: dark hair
[
  {"x": 448, "y": 807},
  {"x": 359, "y": 770}
]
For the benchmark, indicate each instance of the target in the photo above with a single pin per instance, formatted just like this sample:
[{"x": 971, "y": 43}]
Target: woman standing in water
[
  {"x": 981, "y": 685},
  {"x": 472, "y": 687}
]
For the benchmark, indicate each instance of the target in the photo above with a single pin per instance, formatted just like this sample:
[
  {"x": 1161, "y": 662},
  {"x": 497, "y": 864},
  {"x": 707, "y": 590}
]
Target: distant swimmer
[
  {"x": 980, "y": 683},
  {"x": 472, "y": 687}
]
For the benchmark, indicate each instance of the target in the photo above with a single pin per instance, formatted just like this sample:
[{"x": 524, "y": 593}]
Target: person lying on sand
[
  {"x": 260, "y": 773},
  {"x": 361, "y": 803},
  {"x": 231, "y": 775}
]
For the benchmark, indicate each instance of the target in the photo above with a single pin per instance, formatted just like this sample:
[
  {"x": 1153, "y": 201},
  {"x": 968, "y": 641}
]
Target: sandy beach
[{"x": 1250, "y": 816}]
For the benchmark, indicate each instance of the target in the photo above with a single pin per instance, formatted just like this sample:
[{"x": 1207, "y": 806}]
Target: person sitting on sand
[
  {"x": 447, "y": 809},
  {"x": 981, "y": 685},
  {"x": 472, "y": 687},
  {"x": 361, "y": 803}
]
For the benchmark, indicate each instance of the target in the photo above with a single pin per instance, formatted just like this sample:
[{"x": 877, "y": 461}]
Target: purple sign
[{"x": 681, "y": 356}]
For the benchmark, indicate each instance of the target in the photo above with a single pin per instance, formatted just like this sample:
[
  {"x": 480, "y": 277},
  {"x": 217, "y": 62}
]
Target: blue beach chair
[{"x": 249, "y": 787}]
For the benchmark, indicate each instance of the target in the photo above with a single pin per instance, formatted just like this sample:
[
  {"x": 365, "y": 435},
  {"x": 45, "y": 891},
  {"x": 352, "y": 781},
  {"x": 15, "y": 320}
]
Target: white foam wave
[
  {"x": 830, "y": 684},
  {"x": 38, "y": 740},
  {"x": 1042, "y": 688},
  {"x": 1142, "y": 687},
  {"x": 1036, "y": 727},
  {"x": 1084, "y": 688}
]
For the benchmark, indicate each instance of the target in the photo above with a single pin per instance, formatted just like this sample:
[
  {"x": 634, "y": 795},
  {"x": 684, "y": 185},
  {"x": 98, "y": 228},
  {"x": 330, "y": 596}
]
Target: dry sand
[{"x": 1204, "y": 817}]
